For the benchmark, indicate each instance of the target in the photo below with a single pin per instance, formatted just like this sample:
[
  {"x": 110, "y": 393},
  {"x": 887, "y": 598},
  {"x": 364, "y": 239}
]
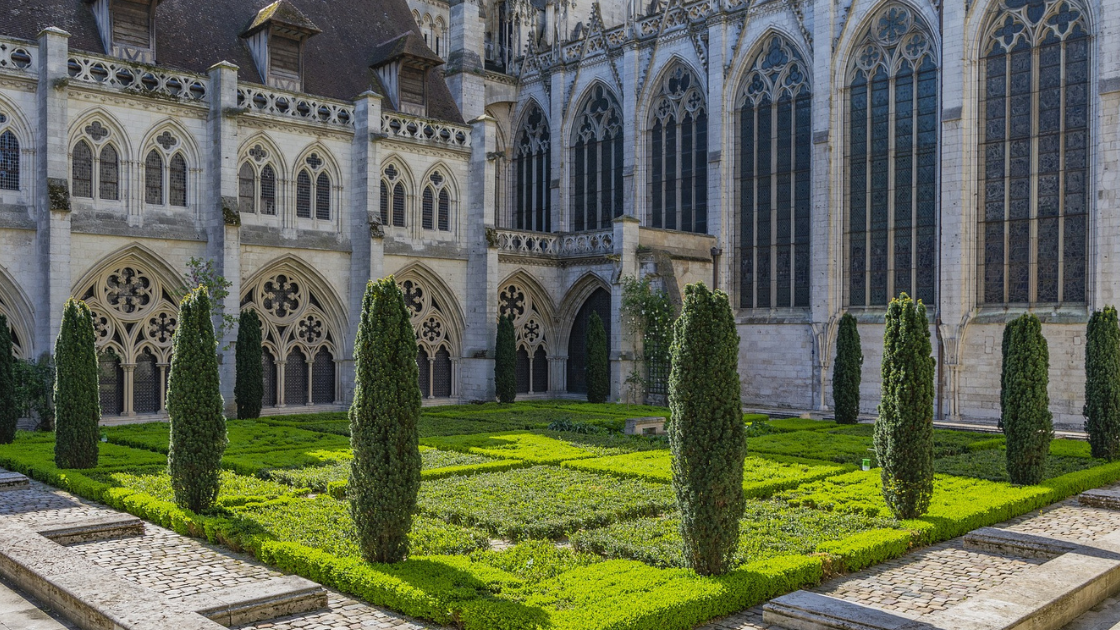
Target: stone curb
[
  {"x": 90, "y": 529},
  {"x": 13, "y": 481},
  {"x": 258, "y": 601}
]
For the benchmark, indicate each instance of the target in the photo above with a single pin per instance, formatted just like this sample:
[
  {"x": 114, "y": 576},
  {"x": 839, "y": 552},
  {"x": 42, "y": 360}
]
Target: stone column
[
  {"x": 721, "y": 210},
  {"x": 364, "y": 225},
  {"x": 220, "y": 217},
  {"x": 52, "y": 194},
  {"x": 559, "y": 180},
  {"x": 1104, "y": 247},
  {"x": 463, "y": 72},
  {"x": 482, "y": 266},
  {"x": 632, "y": 177},
  {"x": 623, "y": 343}
]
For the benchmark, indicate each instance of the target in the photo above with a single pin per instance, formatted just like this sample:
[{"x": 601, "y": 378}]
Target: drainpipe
[{"x": 716, "y": 251}]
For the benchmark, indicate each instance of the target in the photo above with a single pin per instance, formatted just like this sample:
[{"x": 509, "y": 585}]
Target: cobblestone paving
[
  {"x": 342, "y": 613},
  {"x": 1068, "y": 520}
]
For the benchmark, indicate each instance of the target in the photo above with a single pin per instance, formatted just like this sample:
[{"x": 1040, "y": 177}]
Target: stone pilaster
[
  {"x": 721, "y": 211},
  {"x": 559, "y": 180},
  {"x": 632, "y": 179},
  {"x": 624, "y": 345},
  {"x": 52, "y": 194},
  {"x": 1104, "y": 286},
  {"x": 482, "y": 266},
  {"x": 366, "y": 259},
  {"x": 220, "y": 219},
  {"x": 464, "y": 72}
]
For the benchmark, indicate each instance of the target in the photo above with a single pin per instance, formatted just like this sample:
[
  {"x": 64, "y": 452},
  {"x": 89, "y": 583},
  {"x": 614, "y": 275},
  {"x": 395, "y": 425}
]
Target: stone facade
[{"x": 298, "y": 198}]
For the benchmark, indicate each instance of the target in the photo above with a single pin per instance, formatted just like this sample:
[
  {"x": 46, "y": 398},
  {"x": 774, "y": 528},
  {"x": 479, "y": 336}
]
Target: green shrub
[
  {"x": 1102, "y": 384},
  {"x": 904, "y": 430},
  {"x": 245, "y": 436},
  {"x": 846, "y": 371},
  {"x": 767, "y": 530},
  {"x": 991, "y": 464},
  {"x": 77, "y": 399},
  {"x": 505, "y": 361},
  {"x": 598, "y": 361},
  {"x": 1024, "y": 402},
  {"x": 194, "y": 406},
  {"x": 9, "y": 406},
  {"x": 248, "y": 390},
  {"x": 385, "y": 475},
  {"x": 706, "y": 432},
  {"x": 867, "y": 548},
  {"x": 788, "y": 425},
  {"x": 816, "y": 445},
  {"x": 235, "y": 489},
  {"x": 540, "y": 502},
  {"x": 1070, "y": 448}
]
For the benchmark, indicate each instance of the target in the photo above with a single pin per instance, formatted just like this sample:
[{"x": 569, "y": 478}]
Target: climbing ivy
[{"x": 648, "y": 312}]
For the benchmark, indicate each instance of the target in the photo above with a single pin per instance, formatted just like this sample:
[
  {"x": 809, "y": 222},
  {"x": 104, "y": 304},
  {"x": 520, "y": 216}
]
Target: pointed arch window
[
  {"x": 9, "y": 158},
  {"x": 531, "y": 337},
  {"x": 95, "y": 165},
  {"x": 774, "y": 179},
  {"x": 436, "y": 203},
  {"x": 81, "y": 167},
  {"x": 153, "y": 178},
  {"x": 165, "y": 172},
  {"x": 678, "y": 148},
  {"x": 532, "y": 171},
  {"x": 256, "y": 183},
  {"x": 435, "y": 340},
  {"x": 892, "y": 162},
  {"x": 313, "y": 190},
  {"x": 177, "y": 178},
  {"x": 1035, "y": 153},
  {"x": 597, "y": 162},
  {"x": 392, "y": 197},
  {"x": 109, "y": 174}
]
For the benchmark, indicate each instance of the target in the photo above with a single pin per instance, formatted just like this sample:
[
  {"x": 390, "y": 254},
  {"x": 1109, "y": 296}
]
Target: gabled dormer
[
  {"x": 277, "y": 36},
  {"x": 127, "y": 28},
  {"x": 402, "y": 65}
]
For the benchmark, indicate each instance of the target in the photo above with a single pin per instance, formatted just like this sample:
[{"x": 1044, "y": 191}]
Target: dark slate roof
[
  {"x": 281, "y": 12},
  {"x": 195, "y": 34},
  {"x": 406, "y": 44}
]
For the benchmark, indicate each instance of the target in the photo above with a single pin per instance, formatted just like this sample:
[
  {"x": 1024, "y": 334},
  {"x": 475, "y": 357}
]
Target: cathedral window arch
[
  {"x": 531, "y": 337},
  {"x": 135, "y": 313},
  {"x": 775, "y": 149},
  {"x": 1035, "y": 150},
  {"x": 435, "y": 340},
  {"x": 892, "y": 161},
  {"x": 313, "y": 189},
  {"x": 393, "y": 196},
  {"x": 299, "y": 339},
  {"x": 532, "y": 169},
  {"x": 257, "y": 182},
  {"x": 165, "y": 171},
  {"x": 435, "y": 203},
  {"x": 17, "y": 335},
  {"x": 95, "y": 168},
  {"x": 678, "y": 149},
  {"x": 597, "y": 158}
]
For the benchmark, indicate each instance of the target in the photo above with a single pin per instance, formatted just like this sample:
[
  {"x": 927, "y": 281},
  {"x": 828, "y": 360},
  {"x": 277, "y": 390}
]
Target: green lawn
[{"x": 591, "y": 511}]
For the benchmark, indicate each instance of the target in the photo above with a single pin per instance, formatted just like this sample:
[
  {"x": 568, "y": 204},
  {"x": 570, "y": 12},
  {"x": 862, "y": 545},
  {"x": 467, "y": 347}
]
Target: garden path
[
  {"x": 177, "y": 566},
  {"x": 943, "y": 575}
]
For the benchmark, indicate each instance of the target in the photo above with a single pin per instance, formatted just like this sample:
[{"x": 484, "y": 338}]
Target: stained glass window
[
  {"x": 1034, "y": 194},
  {"x": 774, "y": 179},
  {"x": 435, "y": 204},
  {"x": 532, "y": 170},
  {"x": 444, "y": 210},
  {"x": 303, "y": 195},
  {"x": 392, "y": 197},
  {"x": 427, "y": 211},
  {"x": 323, "y": 197},
  {"x": 398, "y": 205},
  {"x": 597, "y": 162},
  {"x": 153, "y": 178},
  {"x": 82, "y": 171},
  {"x": 9, "y": 161},
  {"x": 246, "y": 188},
  {"x": 268, "y": 191},
  {"x": 679, "y": 148},
  {"x": 892, "y": 170},
  {"x": 108, "y": 185},
  {"x": 177, "y": 177}
]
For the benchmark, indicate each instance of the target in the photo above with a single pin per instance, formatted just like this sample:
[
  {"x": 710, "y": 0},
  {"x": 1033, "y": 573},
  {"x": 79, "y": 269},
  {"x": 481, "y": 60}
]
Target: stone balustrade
[
  {"x": 403, "y": 127},
  {"x": 262, "y": 100},
  {"x": 114, "y": 73},
  {"x": 558, "y": 245}
]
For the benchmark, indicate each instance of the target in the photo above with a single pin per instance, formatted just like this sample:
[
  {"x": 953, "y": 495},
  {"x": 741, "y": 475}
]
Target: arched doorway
[{"x": 598, "y": 302}]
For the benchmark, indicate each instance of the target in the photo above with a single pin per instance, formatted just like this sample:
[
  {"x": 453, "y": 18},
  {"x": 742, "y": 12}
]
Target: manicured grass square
[
  {"x": 529, "y": 447},
  {"x": 541, "y": 502},
  {"x": 234, "y": 489},
  {"x": 436, "y": 464},
  {"x": 32, "y": 450},
  {"x": 819, "y": 445},
  {"x": 768, "y": 529},
  {"x": 992, "y": 465},
  {"x": 245, "y": 436}
]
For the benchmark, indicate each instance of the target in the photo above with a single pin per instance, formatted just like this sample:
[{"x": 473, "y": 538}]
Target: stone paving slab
[
  {"x": 805, "y": 610},
  {"x": 342, "y": 613},
  {"x": 1007, "y": 542},
  {"x": 1106, "y": 498},
  {"x": 89, "y": 529},
  {"x": 12, "y": 481},
  {"x": 258, "y": 601},
  {"x": 17, "y": 612}
]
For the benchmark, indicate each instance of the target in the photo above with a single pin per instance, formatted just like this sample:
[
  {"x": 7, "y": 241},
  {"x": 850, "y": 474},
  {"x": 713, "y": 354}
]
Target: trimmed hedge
[
  {"x": 529, "y": 447},
  {"x": 817, "y": 445},
  {"x": 789, "y": 425},
  {"x": 245, "y": 436},
  {"x": 867, "y": 548}
]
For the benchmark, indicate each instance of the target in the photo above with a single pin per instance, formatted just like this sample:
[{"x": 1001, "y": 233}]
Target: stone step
[
  {"x": 75, "y": 531},
  {"x": 803, "y": 610},
  {"x": 1009, "y": 543},
  {"x": 13, "y": 481},
  {"x": 1100, "y": 498},
  {"x": 258, "y": 601}
]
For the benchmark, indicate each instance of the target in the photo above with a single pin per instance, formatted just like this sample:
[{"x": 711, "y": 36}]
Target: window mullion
[
  {"x": 773, "y": 236},
  {"x": 892, "y": 155},
  {"x": 1062, "y": 177},
  {"x": 1032, "y": 254}
]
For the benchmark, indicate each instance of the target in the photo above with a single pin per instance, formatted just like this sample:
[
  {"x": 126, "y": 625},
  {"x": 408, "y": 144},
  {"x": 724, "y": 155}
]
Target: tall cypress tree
[
  {"x": 505, "y": 361},
  {"x": 904, "y": 430},
  {"x": 77, "y": 401},
  {"x": 1102, "y": 384},
  {"x": 9, "y": 412},
  {"x": 846, "y": 371},
  {"x": 384, "y": 425},
  {"x": 598, "y": 361},
  {"x": 706, "y": 432},
  {"x": 194, "y": 404},
  {"x": 248, "y": 390},
  {"x": 1024, "y": 401}
]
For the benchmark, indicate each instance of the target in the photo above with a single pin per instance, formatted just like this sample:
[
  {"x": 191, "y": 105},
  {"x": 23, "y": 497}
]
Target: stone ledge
[
  {"x": 1004, "y": 542},
  {"x": 804, "y": 610},
  {"x": 13, "y": 481},
  {"x": 258, "y": 601},
  {"x": 1100, "y": 498},
  {"x": 90, "y": 529}
]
